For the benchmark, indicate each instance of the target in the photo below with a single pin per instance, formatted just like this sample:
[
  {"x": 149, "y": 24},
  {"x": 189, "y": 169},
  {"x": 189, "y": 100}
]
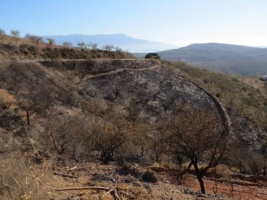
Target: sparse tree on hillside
[
  {"x": 108, "y": 47},
  {"x": 199, "y": 136},
  {"x": 133, "y": 109},
  {"x": 31, "y": 96},
  {"x": 108, "y": 135},
  {"x": 2, "y": 35},
  {"x": 94, "y": 46},
  {"x": 52, "y": 53},
  {"x": 81, "y": 44},
  {"x": 15, "y": 34},
  {"x": 67, "y": 44},
  {"x": 50, "y": 41},
  {"x": 118, "y": 49},
  {"x": 34, "y": 38},
  {"x": 62, "y": 132}
]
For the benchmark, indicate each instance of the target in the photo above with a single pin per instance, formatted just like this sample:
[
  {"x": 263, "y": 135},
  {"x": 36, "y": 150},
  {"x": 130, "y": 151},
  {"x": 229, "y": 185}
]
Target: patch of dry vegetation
[
  {"x": 248, "y": 100},
  {"x": 70, "y": 145}
]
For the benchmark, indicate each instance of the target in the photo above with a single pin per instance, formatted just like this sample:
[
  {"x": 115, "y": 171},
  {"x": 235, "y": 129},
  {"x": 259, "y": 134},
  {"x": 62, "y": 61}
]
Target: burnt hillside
[{"x": 69, "y": 112}]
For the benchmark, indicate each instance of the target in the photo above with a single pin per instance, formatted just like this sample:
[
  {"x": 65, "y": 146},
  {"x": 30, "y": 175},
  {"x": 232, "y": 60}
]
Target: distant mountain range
[
  {"x": 123, "y": 41},
  {"x": 222, "y": 57}
]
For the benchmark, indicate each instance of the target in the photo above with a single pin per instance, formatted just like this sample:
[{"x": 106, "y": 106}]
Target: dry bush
[
  {"x": 16, "y": 179},
  {"x": 64, "y": 134},
  {"x": 198, "y": 135},
  {"x": 106, "y": 139}
]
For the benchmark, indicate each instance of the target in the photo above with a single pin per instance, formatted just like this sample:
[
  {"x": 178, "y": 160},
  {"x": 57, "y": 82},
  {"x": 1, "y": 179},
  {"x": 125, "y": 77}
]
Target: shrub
[{"x": 152, "y": 55}]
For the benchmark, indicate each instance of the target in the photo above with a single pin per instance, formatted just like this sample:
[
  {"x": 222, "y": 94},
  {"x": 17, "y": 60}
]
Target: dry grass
[
  {"x": 15, "y": 182},
  {"x": 20, "y": 178},
  {"x": 8, "y": 99},
  {"x": 11, "y": 40}
]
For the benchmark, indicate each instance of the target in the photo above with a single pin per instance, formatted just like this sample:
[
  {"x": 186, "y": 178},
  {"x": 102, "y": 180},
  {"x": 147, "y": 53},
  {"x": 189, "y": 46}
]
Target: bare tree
[
  {"x": 34, "y": 38},
  {"x": 38, "y": 99},
  {"x": 15, "y": 34},
  {"x": 198, "y": 135},
  {"x": 63, "y": 133},
  {"x": 52, "y": 53},
  {"x": 92, "y": 46},
  {"x": 118, "y": 49},
  {"x": 108, "y": 136},
  {"x": 32, "y": 96},
  {"x": 106, "y": 140},
  {"x": 2, "y": 34},
  {"x": 67, "y": 44},
  {"x": 108, "y": 47},
  {"x": 133, "y": 109},
  {"x": 12, "y": 76},
  {"x": 81, "y": 44}
]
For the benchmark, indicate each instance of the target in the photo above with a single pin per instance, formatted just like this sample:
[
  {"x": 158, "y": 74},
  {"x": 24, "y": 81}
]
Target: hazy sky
[{"x": 179, "y": 22}]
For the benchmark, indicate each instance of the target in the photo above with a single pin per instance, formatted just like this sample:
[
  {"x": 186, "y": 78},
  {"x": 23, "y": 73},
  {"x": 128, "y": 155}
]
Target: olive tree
[
  {"x": 50, "y": 41},
  {"x": 198, "y": 135}
]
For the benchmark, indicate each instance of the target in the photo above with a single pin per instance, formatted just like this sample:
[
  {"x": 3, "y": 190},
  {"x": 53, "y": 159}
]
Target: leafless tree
[
  {"x": 2, "y": 34},
  {"x": 92, "y": 46},
  {"x": 67, "y": 44},
  {"x": 36, "y": 100},
  {"x": 133, "y": 109},
  {"x": 63, "y": 133},
  {"x": 32, "y": 96},
  {"x": 106, "y": 140},
  {"x": 34, "y": 38},
  {"x": 108, "y": 47},
  {"x": 198, "y": 135},
  {"x": 81, "y": 44},
  {"x": 15, "y": 34},
  {"x": 52, "y": 53}
]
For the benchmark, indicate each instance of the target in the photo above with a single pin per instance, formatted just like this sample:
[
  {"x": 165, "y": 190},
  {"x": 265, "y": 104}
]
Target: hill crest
[
  {"x": 228, "y": 58},
  {"x": 121, "y": 40}
]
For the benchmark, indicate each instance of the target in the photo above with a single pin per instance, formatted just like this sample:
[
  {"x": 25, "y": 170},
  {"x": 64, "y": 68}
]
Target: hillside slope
[
  {"x": 222, "y": 57},
  {"x": 59, "y": 107},
  {"x": 48, "y": 52},
  {"x": 155, "y": 90}
]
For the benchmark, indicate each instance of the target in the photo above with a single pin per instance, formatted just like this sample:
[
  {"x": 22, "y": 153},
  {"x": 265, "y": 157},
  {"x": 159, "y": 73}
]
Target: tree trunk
[
  {"x": 201, "y": 183},
  {"x": 28, "y": 117}
]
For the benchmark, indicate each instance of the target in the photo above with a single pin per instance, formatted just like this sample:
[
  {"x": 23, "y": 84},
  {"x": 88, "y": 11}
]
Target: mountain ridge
[
  {"x": 121, "y": 40},
  {"x": 228, "y": 58}
]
